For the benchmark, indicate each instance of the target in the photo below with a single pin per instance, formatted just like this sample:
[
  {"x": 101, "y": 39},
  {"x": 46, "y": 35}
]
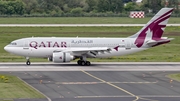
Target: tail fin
[{"x": 154, "y": 28}]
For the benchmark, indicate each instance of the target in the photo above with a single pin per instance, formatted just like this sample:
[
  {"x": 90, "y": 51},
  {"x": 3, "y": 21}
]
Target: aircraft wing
[
  {"x": 91, "y": 51},
  {"x": 158, "y": 42}
]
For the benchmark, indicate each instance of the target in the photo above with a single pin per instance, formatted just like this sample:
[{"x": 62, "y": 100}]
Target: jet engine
[{"x": 62, "y": 57}]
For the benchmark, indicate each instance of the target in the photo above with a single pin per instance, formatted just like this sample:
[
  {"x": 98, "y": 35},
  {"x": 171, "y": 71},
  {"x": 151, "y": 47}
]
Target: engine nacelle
[{"x": 62, "y": 57}]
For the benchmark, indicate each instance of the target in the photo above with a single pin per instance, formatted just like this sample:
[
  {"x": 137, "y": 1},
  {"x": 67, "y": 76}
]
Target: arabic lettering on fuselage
[{"x": 81, "y": 41}]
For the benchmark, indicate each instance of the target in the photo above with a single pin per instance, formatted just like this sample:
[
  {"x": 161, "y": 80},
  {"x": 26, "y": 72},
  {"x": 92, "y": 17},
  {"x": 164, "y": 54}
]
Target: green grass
[
  {"x": 13, "y": 88},
  {"x": 167, "y": 52},
  {"x": 174, "y": 76},
  {"x": 79, "y": 20}
]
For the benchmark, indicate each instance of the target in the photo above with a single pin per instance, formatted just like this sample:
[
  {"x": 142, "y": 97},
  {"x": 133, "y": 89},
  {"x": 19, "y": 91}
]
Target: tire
[
  {"x": 88, "y": 63},
  {"x": 79, "y": 62},
  {"x": 28, "y": 63},
  {"x": 83, "y": 63}
]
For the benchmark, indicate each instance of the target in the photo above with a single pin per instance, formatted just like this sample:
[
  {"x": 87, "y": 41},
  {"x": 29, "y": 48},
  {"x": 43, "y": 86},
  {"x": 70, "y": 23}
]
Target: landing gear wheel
[
  {"x": 88, "y": 63},
  {"x": 28, "y": 63},
  {"x": 83, "y": 63},
  {"x": 79, "y": 62}
]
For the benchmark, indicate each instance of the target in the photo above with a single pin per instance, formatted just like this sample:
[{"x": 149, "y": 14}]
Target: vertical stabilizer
[{"x": 154, "y": 28}]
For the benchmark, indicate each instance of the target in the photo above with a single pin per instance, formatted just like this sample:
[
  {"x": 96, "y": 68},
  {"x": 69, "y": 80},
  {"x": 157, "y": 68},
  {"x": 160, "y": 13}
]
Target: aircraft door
[
  {"x": 128, "y": 44},
  {"x": 26, "y": 48},
  {"x": 69, "y": 45}
]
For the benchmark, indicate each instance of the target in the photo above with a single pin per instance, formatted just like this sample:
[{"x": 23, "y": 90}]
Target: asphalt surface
[
  {"x": 100, "y": 66},
  {"x": 82, "y": 85}
]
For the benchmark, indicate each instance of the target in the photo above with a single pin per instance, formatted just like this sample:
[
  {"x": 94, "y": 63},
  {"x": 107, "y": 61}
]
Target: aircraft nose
[
  {"x": 6, "y": 48},
  {"x": 11, "y": 49}
]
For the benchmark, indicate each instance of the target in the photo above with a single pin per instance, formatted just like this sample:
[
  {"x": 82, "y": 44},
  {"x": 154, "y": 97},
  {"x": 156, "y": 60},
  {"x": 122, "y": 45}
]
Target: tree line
[{"x": 80, "y": 7}]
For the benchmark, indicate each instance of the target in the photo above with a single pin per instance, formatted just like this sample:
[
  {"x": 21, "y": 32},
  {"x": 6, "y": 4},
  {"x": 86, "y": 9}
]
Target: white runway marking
[
  {"x": 110, "y": 66},
  {"x": 4, "y": 67},
  {"x": 151, "y": 96}
]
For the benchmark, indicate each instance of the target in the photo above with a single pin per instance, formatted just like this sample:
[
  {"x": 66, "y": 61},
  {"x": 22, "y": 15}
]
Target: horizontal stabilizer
[{"x": 158, "y": 42}]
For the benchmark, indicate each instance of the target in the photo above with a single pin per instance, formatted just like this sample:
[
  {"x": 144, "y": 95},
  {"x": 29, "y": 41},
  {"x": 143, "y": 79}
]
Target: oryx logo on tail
[{"x": 155, "y": 27}]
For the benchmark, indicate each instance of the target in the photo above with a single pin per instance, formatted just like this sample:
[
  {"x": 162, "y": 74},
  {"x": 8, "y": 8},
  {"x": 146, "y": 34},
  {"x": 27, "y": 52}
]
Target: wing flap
[
  {"x": 87, "y": 49},
  {"x": 91, "y": 51}
]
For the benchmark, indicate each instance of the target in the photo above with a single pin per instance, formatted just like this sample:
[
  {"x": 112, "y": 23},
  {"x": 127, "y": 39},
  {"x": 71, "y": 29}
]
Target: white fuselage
[{"x": 45, "y": 46}]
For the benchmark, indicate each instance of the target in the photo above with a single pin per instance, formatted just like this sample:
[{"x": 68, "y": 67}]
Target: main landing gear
[
  {"x": 28, "y": 61},
  {"x": 83, "y": 61}
]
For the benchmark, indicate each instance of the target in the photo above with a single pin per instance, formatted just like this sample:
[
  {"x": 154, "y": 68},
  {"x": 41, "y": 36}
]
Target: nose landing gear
[{"x": 28, "y": 61}]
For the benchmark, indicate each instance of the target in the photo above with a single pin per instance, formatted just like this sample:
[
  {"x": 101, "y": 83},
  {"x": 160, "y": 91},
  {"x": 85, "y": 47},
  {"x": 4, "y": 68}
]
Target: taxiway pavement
[{"x": 110, "y": 82}]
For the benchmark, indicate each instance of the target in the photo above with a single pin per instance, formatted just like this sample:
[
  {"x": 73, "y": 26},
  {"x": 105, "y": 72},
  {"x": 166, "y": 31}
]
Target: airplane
[{"x": 66, "y": 49}]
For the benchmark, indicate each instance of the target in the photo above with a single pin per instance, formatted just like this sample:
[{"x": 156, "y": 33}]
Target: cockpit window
[{"x": 13, "y": 43}]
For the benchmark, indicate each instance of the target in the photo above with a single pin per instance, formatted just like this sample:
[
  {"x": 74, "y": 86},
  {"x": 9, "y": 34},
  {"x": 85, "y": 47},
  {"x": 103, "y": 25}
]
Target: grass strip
[
  {"x": 13, "y": 88},
  {"x": 79, "y": 20},
  {"x": 174, "y": 76}
]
